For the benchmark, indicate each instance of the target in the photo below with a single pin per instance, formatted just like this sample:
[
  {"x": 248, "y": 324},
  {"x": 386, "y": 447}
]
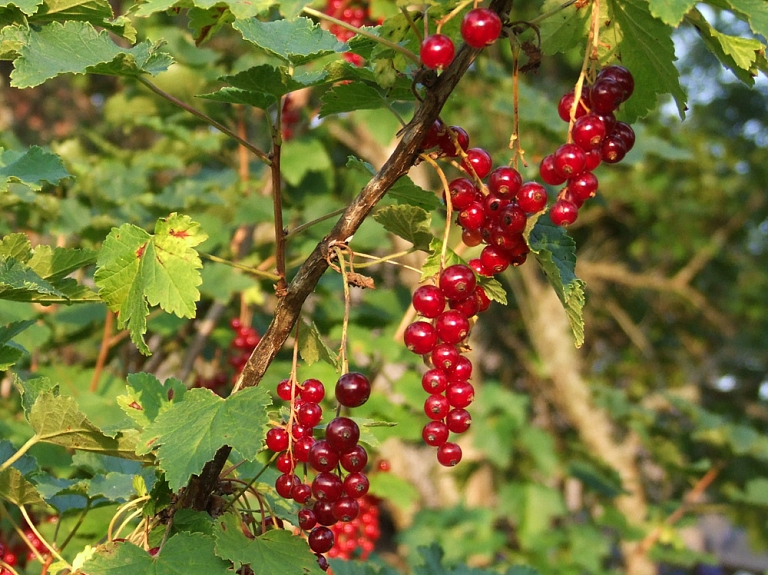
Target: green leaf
[
  {"x": 397, "y": 490},
  {"x": 555, "y": 251},
  {"x": 18, "y": 282},
  {"x": 147, "y": 398},
  {"x": 136, "y": 269},
  {"x": 408, "y": 222},
  {"x": 754, "y": 12},
  {"x": 739, "y": 55},
  {"x": 12, "y": 38},
  {"x": 241, "y": 9},
  {"x": 149, "y": 7},
  {"x": 182, "y": 554},
  {"x": 297, "y": 41},
  {"x": 276, "y": 552},
  {"x": 312, "y": 348},
  {"x": 351, "y": 97},
  {"x": 608, "y": 485},
  {"x": 647, "y": 50},
  {"x": 77, "y": 48},
  {"x": 57, "y": 419},
  {"x": 404, "y": 191},
  {"x": 26, "y": 464},
  {"x": 302, "y": 156},
  {"x": 533, "y": 506},
  {"x": 16, "y": 489},
  {"x": 16, "y": 246},
  {"x": 431, "y": 265},
  {"x": 10, "y": 352},
  {"x": 31, "y": 168},
  {"x": 564, "y": 30},
  {"x": 187, "y": 436},
  {"x": 671, "y": 11},
  {"x": 29, "y": 7},
  {"x": 54, "y": 264},
  {"x": 493, "y": 289}
]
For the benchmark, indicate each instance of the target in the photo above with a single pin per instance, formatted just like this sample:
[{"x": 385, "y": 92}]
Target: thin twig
[
  {"x": 550, "y": 13},
  {"x": 248, "y": 269},
  {"x": 304, "y": 226},
  {"x": 101, "y": 360},
  {"x": 277, "y": 202}
]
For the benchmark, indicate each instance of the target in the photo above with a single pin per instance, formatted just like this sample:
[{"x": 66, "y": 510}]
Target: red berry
[
  {"x": 323, "y": 510},
  {"x": 342, "y": 433},
  {"x": 353, "y": 389},
  {"x": 309, "y": 414},
  {"x": 312, "y": 391},
  {"x": 569, "y": 160},
  {"x": 472, "y": 217},
  {"x": 563, "y": 213},
  {"x": 621, "y": 76},
  {"x": 532, "y": 197},
  {"x": 479, "y": 160},
  {"x": 477, "y": 265},
  {"x": 345, "y": 509},
  {"x": 284, "y": 485},
  {"x": 322, "y": 457},
  {"x": 457, "y": 281},
  {"x": 471, "y": 238},
  {"x": 461, "y": 370},
  {"x": 420, "y": 337},
  {"x": 320, "y": 539},
  {"x": 277, "y": 439},
  {"x": 428, "y": 301},
  {"x": 493, "y": 206},
  {"x": 284, "y": 463},
  {"x": 565, "y": 105},
  {"x": 436, "y": 407},
  {"x": 307, "y": 519},
  {"x": 513, "y": 219},
  {"x": 452, "y": 326},
  {"x": 356, "y": 485},
  {"x": 606, "y": 95},
  {"x": 625, "y": 133},
  {"x": 588, "y": 132},
  {"x": 460, "y": 394},
  {"x": 444, "y": 356},
  {"x": 583, "y": 186},
  {"x": 613, "y": 150},
  {"x": 469, "y": 307},
  {"x": 437, "y": 51},
  {"x": 433, "y": 135},
  {"x": 301, "y": 493},
  {"x": 480, "y": 27},
  {"x": 301, "y": 448},
  {"x": 505, "y": 182},
  {"x": 548, "y": 173},
  {"x": 448, "y": 454},
  {"x": 284, "y": 390},
  {"x": 447, "y": 144},
  {"x": 355, "y": 459},
  {"x": 434, "y": 381},
  {"x": 458, "y": 420},
  {"x": 463, "y": 193},
  {"x": 594, "y": 158},
  {"x": 494, "y": 259},
  {"x": 435, "y": 433},
  {"x": 483, "y": 298},
  {"x": 327, "y": 486}
]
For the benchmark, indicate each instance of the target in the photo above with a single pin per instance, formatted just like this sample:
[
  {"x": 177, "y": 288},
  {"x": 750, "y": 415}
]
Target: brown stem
[
  {"x": 398, "y": 164},
  {"x": 277, "y": 203},
  {"x": 109, "y": 323},
  {"x": 198, "y": 492}
]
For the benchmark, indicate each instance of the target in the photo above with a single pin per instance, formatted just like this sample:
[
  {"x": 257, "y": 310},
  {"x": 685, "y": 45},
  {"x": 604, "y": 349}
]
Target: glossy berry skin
[
  {"x": 322, "y": 457},
  {"x": 463, "y": 193},
  {"x": 452, "y": 326},
  {"x": 480, "y": 27},
  {"x": 469, "y": 307},
  {"x": 342, "y": 433},
  {"x": 437, "y": 51},
  {"x": 482, "y": 297},
  {"x": 277, "y": 439},
  {"x": 327, "y": 486},
  {"x": 462, "y": 369},
  {"x": 606, "y": 95},
  {"x": 460, "y": 394},
  {"x": 353, "y": 389},
  {"x": 588, "y": 132},
  {"x": 457, "y": 281},
  {"x": 307, "y": 519},
  {"x": 563, "y": 213},
  {"x": 583, "y": 186},
  {"x": 621, "y": 76},
  {"x": 548, "y": 173},
  {"x": 569, "y": 160},
  {"x": 593, "y": 159},
  {"x": 473, "y": 216},
  {"x": 479, "y": 160},
  {"x": 356, "y": 485},
  {"x": 301, "y": 448},
  {"x": 613, "y": 150},
  {"x": 312, "y": 391},
  {"x": 471, "y": 238},
  {"x": 505, "y": 182},
  {"x": 444, "y": 356},
  {"x": 323, "y": 510},
  {"x": 448, "y": 454},
  {"x": 345, "y": 509},
  {"x": 284, "y": 463},
  {"x": 434, "y": 381},
  {"x": 320, "y": 539},
  {"x": 309, "y": 414},
  {"x": 284, "y": 390},
  {"x": 355, "y": 459},
  {"x": 625, "y": 133},
  {"x": 447, "y": 144},
  {"x": 494, "y": 259},
  {"x": 301, "y": 493},
  {"x": 532, "y": 197},
  {"x": 436, "y": 407},
  {"x": 284, "y": 485},
  {"x": 513, "y": 219},
  {"x": 564, "y": 107},
  {"x": 433, "y": 135},
  {"x": 435, "y": 433},
  {"x": 458, "y": 420},
  {"x": 420, "y": 337},
  {"x": 428, "y": 301},
  {"x": 480, "y": 269}
]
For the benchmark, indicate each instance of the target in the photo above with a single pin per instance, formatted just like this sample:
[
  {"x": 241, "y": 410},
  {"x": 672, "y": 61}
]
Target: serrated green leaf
[
  {"x": 54, "y": 264},
  {"x": 77, "y": 48},
  {"x": 19, "y": 283},
  {"x": 297, "y": 41},
  {"x": 276, "y": 552},
  {"x": 431, "y": 265},
  {"x": 312, "y": 348},
  {"x": 12, "y": 38},
  {"x": 26, "y": 464},
  {"x": 8, "y": 332},
  {"x": 29, "y": 7},
  {"x": 16, "y": 489},
  {"x": 754, "y": 12},
  {"x": 493, "y": 289},
  {"x": 10, "y": 355},
  {"x": 187, "y": 436},
  {"x": 737, "y": 54},
  {"x": 136, "y": 269},
  {"x": 30, "y": 389},
  {"x": 10, "y": 352},
  {"x": 150, "y": 7},
  {"x": 555, "y": 251},
  {"x": 404, "y": 191},
  {"x": 408, "y": 222},
  {"x": 647, "y": 50},
  {"x": 671, "y": 11},
  {"x": 16, "y": 246},
  {"x": 32, "y": 168},
  {"x": 57, "y": 419},
  {"x": 302, "y": 156},
  {"x": 182, "y": 554},
  {"x": 351, "y": 97},
  {"x": 147, "y": 398},
  {"x": 564, "y": 30},
  {"x": 241, "y": 9},
  {"x": 227, "y": 95}
]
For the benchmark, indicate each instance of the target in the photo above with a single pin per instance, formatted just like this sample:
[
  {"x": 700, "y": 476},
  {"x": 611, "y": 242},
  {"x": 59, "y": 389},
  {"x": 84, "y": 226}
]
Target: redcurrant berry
[
  {"x": 563, "y": 213},
  {"x": 437, "y": 51},
  {"x": 480, "y": 27},
  {"x": 428, "y": 301},
  {"x": 353, "y": 389},
  {"x": 448, "y": 454},
  {"x": 457, "y": 281}
]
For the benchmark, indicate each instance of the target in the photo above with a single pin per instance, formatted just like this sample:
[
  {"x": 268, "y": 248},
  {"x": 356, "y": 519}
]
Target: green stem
[
  {"x": 302, "y": 227},
  {"x": 383, "y": 41},
  {"x": 77, "y": 525},
  {"x": 412, "y": 24},
  {"x": 206, "y": 118},
  {"x": 542, "y": 17},
  {"x": 250, "y": 270},
  {"x": 383, "y": 259},
  {"x": 248, "y": 486},
  {"x": 22, "y": 450}
]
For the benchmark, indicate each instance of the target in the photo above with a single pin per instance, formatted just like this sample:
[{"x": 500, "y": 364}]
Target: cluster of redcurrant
[
  {"x": 338, "y": 459},
  {"x": 479, "y": 28},
  {"x": 357, "y": 539},
  {"x": 596, "y": 137},
  {"x": 9, "y": 557},
  {"x": 11, "y": 554},
  {"x": 352, "y": 12},
  {"x": 447, "y": 309},
  {"x": 245, "y": 341}
]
